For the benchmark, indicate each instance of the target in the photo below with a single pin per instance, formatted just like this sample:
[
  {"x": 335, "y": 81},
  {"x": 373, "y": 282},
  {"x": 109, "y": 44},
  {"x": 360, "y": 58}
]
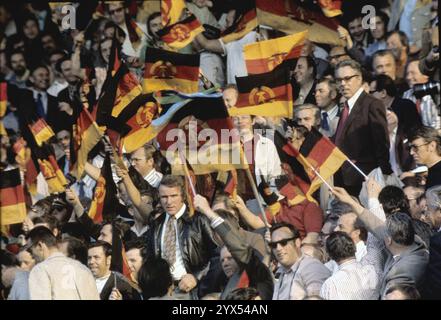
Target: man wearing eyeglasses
[
  {"x": 425, "y": 147},
  {"x": 300, "y": 275},
  {"x": 136, "y": 34},
  {"x": 362, "y": 129}
]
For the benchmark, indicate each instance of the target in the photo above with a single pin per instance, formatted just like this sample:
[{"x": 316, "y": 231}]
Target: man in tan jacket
[{"x": 57, "y": 277}]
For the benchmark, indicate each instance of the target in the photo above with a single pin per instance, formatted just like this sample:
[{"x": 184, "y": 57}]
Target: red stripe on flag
[{"x": 11, "y": 196}]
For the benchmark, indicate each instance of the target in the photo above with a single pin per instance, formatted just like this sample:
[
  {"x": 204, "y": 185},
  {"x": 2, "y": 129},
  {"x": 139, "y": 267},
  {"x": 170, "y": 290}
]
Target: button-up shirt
[
  {"x": 153, "y": 178},
  {"x": 44, "y": 98},
  {"x": 178, "y": 268},
  {"x": 354, "y": 98},
  {"x": 352, "y": 281}
]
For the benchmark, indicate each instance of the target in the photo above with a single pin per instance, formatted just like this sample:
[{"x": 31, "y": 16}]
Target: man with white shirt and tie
[
  {"x": 361, "y": 133},
  {"x": 185, "y": 241},
  {"x": 326, "y": 97},
  {"x": 46, "y": 106}
]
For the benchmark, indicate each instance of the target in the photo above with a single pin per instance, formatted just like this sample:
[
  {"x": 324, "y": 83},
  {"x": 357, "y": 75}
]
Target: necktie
[
  {"x": 81, "y": 191},
  {"x": 341, "y": 123},
  {"x": 325, "y": 122},
  {"x": 40, "y": 108},
  {"x": 170, "y": 242}
]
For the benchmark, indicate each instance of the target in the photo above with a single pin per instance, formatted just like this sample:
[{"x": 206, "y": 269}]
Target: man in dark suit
[
  {"x": 45, "y": 105},
  {"x": 186, "y": 242},
  {"x": 111, "y": 285},
  {"x": 362, "y": 129},
  {"x": 383, "y": 88},
  {"x": 432, "y": 287}
]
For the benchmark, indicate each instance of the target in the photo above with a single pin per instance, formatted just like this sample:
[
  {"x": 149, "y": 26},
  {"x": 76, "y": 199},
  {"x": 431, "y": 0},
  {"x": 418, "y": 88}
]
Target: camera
[{"x": 429, "y": 88}]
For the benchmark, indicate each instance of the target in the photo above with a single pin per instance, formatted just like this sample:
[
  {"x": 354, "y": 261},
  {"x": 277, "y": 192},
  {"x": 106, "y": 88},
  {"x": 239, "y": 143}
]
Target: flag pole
[
  {"x": 187, "y": 174},
  {"x": 357, "y": 168},
  {"x": 253, "y": 186},
  {"x": 321, "y": 178}
]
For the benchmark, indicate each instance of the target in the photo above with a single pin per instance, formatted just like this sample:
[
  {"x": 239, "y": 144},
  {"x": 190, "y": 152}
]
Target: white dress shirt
[
  {"x": 332, "y": 121},
  {"x": 101, "y": 282},
  {"x": 178, "y": 268},
  {"x": 354, "y": 98}
]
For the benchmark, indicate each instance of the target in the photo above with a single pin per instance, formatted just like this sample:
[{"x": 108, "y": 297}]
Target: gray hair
[{"x": 307, "y": 106}]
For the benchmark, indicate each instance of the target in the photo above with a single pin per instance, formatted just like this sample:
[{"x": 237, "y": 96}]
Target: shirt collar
[
  {"x": 354, "y": 98},
  {"x": 143, "y": 230},
  {"x": 346, "y": 264},
  {"x": 180, "y": 212},
  {"x": 36, "y": 92},
  {"x": 332, "y": 112}
]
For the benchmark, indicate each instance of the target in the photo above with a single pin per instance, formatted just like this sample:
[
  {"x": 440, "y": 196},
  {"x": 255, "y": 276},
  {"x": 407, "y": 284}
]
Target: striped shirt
[
  {"x": 352, "y": 281},
  {"x": 153, "y": 178}
]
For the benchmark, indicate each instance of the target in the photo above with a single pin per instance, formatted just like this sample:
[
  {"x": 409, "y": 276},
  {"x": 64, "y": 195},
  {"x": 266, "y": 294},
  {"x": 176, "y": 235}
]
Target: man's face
[
  {"x": 302, "y": 74},
  {"x": 412, "y": 194},
  {"x": 53, "y": 59},
  {"x": 40, "y": 79},
  {"x": 421, "y": 151},
  {"x": 229, "y": 265},
  {"x": 323, "y": 95},
  {"x": 106, "y": 47},
  {"x": 379, "y": 30},
  {"x": 385, "y": 65},
  {"x": 154, "y": 26},
  {"x": 38, "y": 252},
  {"x": 414, "y": 75},
  {"x": 346, "y": 224},
  {"x": 306, "y": 118},
  {"x": 348, "y": 81},
  {"x": 356, "y": 29},
  {"x": 336, "y": 55},
  {"x": 116, "y": 12},
  {"x": 244, "y": 124},
  {"x": 18, "y": 64},
  {"x": 140, "y": 163},
  {"x": 48, "y": 43},
  {"x": 30, "y": 29},
  {"x": 286, "y": 253},
  {"x": 63, "y": 138},
  {"x": 66, "y": 71},
  {"x": 26, "y": 260},
  {"x": 394, "y": 44},
  {"x": 134, "y": 260},
  {"x": 434, "y": 217},
  {"x": 97, "y": 262},
  {"x": 171, "y": 199},
  {"x": 106, "y": 233},
  {"x": 230, "y": 97}
]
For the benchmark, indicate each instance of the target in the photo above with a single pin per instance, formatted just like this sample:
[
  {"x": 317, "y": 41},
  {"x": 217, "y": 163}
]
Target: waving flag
[
  {"x": 244, "y": 22},
  {"x": 264, "y": 56},
  {"x": 12, "y": 198},
  {"x": 266, "y": 94},
  {"x": 182, "y": 33},
  {"x": 165, "y": 70}
]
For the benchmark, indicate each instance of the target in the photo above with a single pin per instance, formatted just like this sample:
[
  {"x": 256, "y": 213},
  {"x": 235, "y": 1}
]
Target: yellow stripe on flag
[
  {"x": 271, "y": 109},
  {"x": 125, "y": 100},
  {"x": 268, "y": 48},
  {"x": 182, "y": 85},
  {"x": 13, "y": 214}
]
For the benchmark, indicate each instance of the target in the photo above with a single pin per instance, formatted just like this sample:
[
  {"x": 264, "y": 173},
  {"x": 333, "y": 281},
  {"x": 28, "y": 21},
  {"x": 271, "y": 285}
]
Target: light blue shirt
[{"x": 406, "y": 19}]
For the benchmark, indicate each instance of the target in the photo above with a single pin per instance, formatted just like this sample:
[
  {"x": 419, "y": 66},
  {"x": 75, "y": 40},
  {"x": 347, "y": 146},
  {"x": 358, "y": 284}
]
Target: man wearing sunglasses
[
  {"x": 300, "y": 275},
  {"x": 425, "y": 147}
]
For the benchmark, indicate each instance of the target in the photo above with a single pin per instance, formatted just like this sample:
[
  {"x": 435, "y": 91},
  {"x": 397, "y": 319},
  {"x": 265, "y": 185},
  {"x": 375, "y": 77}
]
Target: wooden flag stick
[
  {"x": 253, "y": 186},
  {"x": 187, "y": 173},
  {"x": 357, "y": 168},
  {"x": 321, "y": 178}
]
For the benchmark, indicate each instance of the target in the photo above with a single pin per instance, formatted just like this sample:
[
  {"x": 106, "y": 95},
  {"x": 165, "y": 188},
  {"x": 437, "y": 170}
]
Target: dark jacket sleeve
[
  {"x": 380, "y": 135},
  {"x": 258, "y": 273},
  {"x": 90, "y": 228}
]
